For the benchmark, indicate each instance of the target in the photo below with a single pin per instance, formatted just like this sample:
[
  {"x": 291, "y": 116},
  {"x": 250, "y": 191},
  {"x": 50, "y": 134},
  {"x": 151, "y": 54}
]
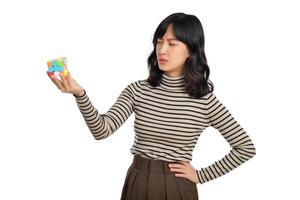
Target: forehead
[{"x": 169, "y": 35}]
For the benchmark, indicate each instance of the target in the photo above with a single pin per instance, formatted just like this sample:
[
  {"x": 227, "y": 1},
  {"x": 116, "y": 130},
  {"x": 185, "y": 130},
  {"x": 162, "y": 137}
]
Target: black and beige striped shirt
[{"x": 168, "y": 123}]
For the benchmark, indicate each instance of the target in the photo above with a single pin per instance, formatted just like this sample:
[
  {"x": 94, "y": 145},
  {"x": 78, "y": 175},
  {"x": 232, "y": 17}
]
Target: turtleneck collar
[{"x": 172, "y": 83}]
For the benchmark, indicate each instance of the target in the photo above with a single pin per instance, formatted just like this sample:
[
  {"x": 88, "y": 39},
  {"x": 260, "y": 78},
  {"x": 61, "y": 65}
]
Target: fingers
[
  {"x": 177, "y": 165},
  {"x": 185, "y": 170},
  {"x": 64, "y": 82},
  {"x": 181, "y": 167},
  {"x": 56, "y": 82},
  {"x": 69, "y": 77},
  {"x": 183, "y": 162},
  {"x": 177, "y": 170}
]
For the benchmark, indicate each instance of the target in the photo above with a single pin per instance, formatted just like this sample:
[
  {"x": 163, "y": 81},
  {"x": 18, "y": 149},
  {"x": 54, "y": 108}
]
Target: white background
[{"x": 47, "y": 151}]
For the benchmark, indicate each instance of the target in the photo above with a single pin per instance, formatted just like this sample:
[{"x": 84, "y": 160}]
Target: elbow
[
  {"x": 98, "y": 137},
  {"x": 253, "y": 151},
  {"x": 246, "y": 151},
  {"x": 101, "y": 135},
  {"x": 250, "y": 148}
]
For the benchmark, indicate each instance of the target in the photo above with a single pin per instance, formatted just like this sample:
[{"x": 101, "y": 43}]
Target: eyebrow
[{"x": 168, "y": 39}]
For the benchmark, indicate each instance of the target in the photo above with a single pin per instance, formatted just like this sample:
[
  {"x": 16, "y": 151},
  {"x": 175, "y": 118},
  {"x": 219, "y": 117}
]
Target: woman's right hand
[{"x": 67, "y": 84}]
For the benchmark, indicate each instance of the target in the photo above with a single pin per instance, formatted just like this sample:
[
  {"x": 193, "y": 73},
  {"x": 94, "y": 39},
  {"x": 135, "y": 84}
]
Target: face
[{"x": 173, "y": 51}]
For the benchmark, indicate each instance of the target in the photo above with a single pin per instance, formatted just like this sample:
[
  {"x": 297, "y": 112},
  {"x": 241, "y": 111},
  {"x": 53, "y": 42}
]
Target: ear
[{"x": 189, "y": 54}]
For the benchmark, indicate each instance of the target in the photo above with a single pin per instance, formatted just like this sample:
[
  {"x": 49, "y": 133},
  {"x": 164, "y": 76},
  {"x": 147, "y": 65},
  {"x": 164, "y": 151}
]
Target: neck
[{"x": 173, "y": 82}]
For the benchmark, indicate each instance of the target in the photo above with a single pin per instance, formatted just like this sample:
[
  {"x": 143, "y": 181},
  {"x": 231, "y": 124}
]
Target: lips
[
  {"x": 162, "y": 62},
  {"x": 162, "y": 59}
]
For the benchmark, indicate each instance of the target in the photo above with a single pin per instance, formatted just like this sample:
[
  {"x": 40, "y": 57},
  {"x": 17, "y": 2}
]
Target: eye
[{"x": 158, "y": 42}]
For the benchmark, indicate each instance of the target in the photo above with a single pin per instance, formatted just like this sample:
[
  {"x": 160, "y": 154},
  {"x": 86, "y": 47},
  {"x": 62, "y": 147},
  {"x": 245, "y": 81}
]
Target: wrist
[{"x": 79, "y": 93}]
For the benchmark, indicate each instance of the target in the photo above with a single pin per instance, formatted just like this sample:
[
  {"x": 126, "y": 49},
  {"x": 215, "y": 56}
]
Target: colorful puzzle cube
[{"x": 57, "y": 67}]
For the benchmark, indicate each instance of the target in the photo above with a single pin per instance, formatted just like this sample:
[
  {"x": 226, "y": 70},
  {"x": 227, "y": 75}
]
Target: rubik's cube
[{"x": 57, "y": 67}]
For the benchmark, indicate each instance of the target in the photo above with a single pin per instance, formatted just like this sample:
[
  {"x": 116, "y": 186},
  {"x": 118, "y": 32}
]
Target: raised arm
[
  {"x": 104, "y": 125},
  {"x": 242, "y": 147}
]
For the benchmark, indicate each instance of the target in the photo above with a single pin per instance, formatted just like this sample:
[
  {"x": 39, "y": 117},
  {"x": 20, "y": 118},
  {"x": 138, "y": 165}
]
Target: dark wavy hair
[{"x": 187, "y": 29}]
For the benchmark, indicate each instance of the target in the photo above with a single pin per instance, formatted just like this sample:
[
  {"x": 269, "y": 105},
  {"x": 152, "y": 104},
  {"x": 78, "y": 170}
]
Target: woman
[{"x": 172, "y": 108}]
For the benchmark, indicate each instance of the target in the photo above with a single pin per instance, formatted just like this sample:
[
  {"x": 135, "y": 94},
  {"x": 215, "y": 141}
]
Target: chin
[{"x": 163, "y": 67}]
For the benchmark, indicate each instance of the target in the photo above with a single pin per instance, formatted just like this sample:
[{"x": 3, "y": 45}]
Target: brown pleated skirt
[{"x": 149, "y": 179}]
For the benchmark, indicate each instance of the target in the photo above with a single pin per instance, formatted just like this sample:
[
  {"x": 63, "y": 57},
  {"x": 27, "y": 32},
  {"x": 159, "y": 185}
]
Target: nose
[{"x": 162, "y": 49}]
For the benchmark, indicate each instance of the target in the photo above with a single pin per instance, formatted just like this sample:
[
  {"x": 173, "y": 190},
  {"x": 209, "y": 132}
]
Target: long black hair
[{"x": 187, "y": 29}]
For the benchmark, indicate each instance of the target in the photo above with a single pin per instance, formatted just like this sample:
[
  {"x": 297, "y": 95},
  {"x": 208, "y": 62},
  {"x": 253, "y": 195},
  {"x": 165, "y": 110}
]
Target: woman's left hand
[{"x": 184, "y": 169}]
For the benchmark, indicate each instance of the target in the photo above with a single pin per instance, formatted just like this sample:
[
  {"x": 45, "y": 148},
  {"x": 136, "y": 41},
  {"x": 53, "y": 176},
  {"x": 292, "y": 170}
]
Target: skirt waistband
[{"x": 157, "y": 166}]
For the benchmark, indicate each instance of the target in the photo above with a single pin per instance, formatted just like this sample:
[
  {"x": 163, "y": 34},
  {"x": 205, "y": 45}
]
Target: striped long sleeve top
[{"x": 168, "y": 123}]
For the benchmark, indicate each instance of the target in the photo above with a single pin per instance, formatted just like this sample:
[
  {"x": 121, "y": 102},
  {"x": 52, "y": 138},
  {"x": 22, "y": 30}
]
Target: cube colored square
[{"x": 58, "y": 66}]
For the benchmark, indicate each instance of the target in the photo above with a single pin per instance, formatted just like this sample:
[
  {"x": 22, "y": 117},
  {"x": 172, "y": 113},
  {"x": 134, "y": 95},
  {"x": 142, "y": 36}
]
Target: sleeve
[
  {"x": 242, "y": 147},
  {"x": 103, "y": 125}
]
